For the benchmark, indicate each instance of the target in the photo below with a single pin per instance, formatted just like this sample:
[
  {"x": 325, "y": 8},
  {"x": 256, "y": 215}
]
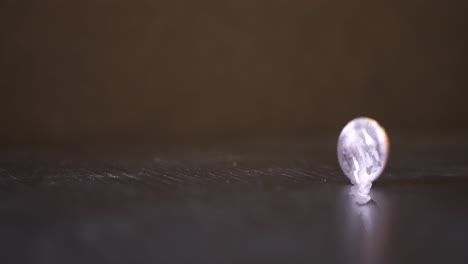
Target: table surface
[{"x": 252, "y": 202}]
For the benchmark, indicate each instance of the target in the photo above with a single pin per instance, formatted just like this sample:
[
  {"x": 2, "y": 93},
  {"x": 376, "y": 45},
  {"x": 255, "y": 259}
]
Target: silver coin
[{"x": 363, "y": 150}]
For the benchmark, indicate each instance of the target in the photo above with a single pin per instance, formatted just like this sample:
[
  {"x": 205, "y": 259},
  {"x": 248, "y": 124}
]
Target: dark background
[
  {"x": 92, "y": 72},
  {"x": 89, "y": 72}
]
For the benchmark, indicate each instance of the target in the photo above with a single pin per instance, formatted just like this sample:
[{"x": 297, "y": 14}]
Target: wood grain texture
[{"x": 253, "y": 203}]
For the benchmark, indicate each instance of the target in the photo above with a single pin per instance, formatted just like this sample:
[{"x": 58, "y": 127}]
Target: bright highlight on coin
[{"x": 363, "y": 149}]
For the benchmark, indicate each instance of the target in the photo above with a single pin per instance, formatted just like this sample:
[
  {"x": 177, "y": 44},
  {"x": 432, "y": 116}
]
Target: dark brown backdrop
[{"x": 179, "y": 70}]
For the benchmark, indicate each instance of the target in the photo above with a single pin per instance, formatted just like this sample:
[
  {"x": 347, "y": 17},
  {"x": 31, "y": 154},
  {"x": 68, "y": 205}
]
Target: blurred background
[{"x": 178, "y": 71}]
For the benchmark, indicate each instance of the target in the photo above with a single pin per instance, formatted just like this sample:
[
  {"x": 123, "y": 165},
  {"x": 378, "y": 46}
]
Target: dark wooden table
[{"x": 252, "y": 202}]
